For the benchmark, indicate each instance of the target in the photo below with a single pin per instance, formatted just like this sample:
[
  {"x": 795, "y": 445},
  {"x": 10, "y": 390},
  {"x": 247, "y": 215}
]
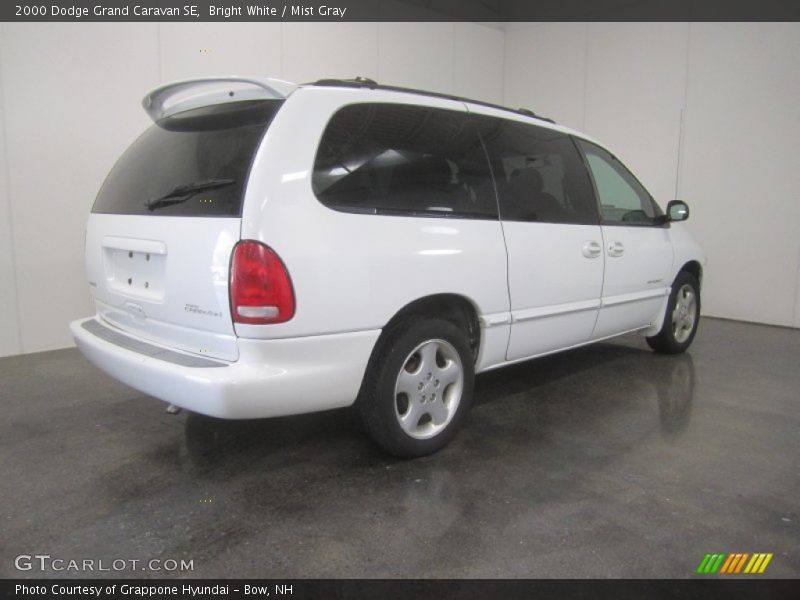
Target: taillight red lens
[{"x": 260, "y": 287}]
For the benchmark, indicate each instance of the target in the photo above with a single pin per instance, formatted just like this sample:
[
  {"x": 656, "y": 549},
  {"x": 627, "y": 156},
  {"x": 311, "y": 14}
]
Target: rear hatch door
[{"x": 165, "y": 221}]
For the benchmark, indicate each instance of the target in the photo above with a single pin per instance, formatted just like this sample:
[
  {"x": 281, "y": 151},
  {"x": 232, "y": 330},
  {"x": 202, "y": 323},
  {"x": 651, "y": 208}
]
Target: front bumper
[{"x": 271, "y": 378}]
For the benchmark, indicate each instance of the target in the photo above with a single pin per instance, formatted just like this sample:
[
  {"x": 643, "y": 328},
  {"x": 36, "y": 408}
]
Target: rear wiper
[{"x": 182, "y": 193}]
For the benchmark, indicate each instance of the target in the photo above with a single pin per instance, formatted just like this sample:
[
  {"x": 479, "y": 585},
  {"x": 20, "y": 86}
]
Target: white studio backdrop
[
  {"x": 709, "y": 109},
  {"x": 705, "y": 112}
]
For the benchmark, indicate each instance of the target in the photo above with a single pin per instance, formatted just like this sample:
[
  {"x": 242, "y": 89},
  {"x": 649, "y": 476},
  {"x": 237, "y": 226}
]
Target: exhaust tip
[{"x": 173, "y": 410}]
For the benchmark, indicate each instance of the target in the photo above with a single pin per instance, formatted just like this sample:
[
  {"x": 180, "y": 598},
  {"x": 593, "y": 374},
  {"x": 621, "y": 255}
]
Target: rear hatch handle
[{"x": 202, "y": 91}]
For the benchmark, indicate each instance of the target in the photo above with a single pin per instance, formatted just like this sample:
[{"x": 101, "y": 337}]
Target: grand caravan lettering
[
  {"x": 156, "y": 11},
  {"x": 140, "y": 11}
]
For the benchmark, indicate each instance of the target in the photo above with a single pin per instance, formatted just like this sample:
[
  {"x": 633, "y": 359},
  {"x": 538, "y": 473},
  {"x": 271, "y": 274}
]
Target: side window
[
  {"x": 622, "y": 198},
  {"x": 540, "y": 175},
  {"x": 404, "y": 159}
]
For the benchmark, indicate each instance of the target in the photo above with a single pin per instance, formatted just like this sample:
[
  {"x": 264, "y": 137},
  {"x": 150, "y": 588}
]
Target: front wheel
[
  {"x": 418, "y": 388},
  {"x": 681, "y": 317}
]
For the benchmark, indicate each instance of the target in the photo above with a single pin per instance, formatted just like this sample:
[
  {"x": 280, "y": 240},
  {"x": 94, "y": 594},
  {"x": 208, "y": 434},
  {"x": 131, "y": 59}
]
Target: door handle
[
  {"x": 616, "y": 249},
  {"x": 591, "y": 249}
]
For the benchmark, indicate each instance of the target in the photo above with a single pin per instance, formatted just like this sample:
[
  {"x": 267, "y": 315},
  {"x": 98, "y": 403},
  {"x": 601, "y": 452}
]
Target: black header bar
[
  {"x": 494, "y": 11},
  {"x": 710, "y": 588}
]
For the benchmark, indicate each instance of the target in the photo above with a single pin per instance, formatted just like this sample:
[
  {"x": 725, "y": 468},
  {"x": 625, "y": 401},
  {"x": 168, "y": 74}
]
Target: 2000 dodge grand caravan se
[{"x": 268, "y": 249}]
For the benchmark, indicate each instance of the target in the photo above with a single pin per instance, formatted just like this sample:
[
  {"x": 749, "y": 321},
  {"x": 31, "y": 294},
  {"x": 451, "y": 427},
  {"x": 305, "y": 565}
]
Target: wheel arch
[
  {"x": 695, "y": 268},
  {"x": 428, "y": 318},
  {"x": 453, "y": 308}
]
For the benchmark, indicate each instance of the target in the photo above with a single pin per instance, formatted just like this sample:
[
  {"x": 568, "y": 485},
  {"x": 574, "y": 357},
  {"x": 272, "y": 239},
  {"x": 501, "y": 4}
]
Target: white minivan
[{"x": 270, "y": 249}]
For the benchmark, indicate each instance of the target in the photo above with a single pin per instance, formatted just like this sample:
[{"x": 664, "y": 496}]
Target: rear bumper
[{"x": 271, "y": 378}]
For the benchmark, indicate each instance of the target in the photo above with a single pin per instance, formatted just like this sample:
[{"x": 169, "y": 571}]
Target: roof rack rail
[
  {"x": 365, "y": 80},
  {"x": 357, "y": 81},
  {"x": 529, "y": 113},
  {"x": 361, "y": 82}
]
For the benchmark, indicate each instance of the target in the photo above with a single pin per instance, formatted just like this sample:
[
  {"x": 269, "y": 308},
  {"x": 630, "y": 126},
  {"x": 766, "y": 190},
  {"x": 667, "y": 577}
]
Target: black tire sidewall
[
  {"x": 665, "y": 340},
  {"x": 378, "y": 405}
]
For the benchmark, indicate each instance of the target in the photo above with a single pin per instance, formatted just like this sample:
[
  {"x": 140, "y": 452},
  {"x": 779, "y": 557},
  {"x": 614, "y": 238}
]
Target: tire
[
  {"x": 681, "y": 317},
  {"x": 418, "y": 387}
]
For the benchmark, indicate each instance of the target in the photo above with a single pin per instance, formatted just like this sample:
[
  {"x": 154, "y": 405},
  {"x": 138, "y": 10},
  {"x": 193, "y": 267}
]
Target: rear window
[
  {"x": 192, "y": 164},
  {"x": 404, "y": 160}
]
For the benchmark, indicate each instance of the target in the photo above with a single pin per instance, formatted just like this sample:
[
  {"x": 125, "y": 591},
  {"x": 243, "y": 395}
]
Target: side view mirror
[{"x": 677, "y": 210}]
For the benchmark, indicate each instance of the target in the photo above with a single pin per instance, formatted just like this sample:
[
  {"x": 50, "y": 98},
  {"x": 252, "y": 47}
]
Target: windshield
[{"x": 192, "y": 164}]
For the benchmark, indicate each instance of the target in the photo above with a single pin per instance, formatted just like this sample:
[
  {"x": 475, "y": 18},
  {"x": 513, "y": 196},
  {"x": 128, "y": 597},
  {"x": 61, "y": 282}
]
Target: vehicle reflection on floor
[
  {"x": 668, "y": 382},
  {"x": 582, "y": 464}
]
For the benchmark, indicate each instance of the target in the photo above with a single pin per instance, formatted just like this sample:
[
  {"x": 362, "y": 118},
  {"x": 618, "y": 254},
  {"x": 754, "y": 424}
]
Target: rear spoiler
[{"x": 219, "y": 89}]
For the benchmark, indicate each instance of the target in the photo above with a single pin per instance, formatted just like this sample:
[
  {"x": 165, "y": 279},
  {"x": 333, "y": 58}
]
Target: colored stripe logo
[{"x": 732, "y": 564}]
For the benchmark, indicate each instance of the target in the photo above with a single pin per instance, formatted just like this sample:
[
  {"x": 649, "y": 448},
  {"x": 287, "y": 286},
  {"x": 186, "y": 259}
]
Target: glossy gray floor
[{"x": 605, "y": 461}]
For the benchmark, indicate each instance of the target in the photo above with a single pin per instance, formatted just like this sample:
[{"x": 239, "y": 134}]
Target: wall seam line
[
  {"x": 282, "y": 67},
  {"x": 796, "y": 304},
  {"x": 453, "y": 68},
  {"x": 504, "y": 74},
  {"x": 160, "y": 51},
  {"x": 684, "y": 112},
  {"x": 378, "y": 73},
  {"x": 585, "y": 73},
  {"x": 10, "y": 211}
]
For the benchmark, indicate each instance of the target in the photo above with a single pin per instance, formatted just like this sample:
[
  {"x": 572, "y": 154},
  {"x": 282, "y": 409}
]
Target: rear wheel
[
  {"x": 681, "y": 317},
  {"x": 418, "y": 388}
]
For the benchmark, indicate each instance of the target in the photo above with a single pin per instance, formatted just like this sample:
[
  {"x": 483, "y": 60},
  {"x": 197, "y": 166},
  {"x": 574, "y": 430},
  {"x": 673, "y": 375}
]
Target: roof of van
[
  {"x": 363, "y": 82},
  {"x": 177, "y": 96}
]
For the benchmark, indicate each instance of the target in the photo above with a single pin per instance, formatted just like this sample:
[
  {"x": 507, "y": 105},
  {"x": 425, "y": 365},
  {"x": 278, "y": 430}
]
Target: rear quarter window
[
  {"x": 401, "y": 159},
  {"x": 192, "y": 164}
]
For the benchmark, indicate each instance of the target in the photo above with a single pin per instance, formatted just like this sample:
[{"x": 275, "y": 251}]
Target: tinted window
[
  {"x": 622, "y": 198},
  {"x": 540, "y": 175},
  {"x": 194, "y": 163},
  {"x": 401, "y": 159}
]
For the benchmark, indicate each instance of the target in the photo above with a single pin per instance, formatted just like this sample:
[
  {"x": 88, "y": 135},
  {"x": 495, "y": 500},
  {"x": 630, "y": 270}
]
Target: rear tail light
[{"x": 260, "y": 287}]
